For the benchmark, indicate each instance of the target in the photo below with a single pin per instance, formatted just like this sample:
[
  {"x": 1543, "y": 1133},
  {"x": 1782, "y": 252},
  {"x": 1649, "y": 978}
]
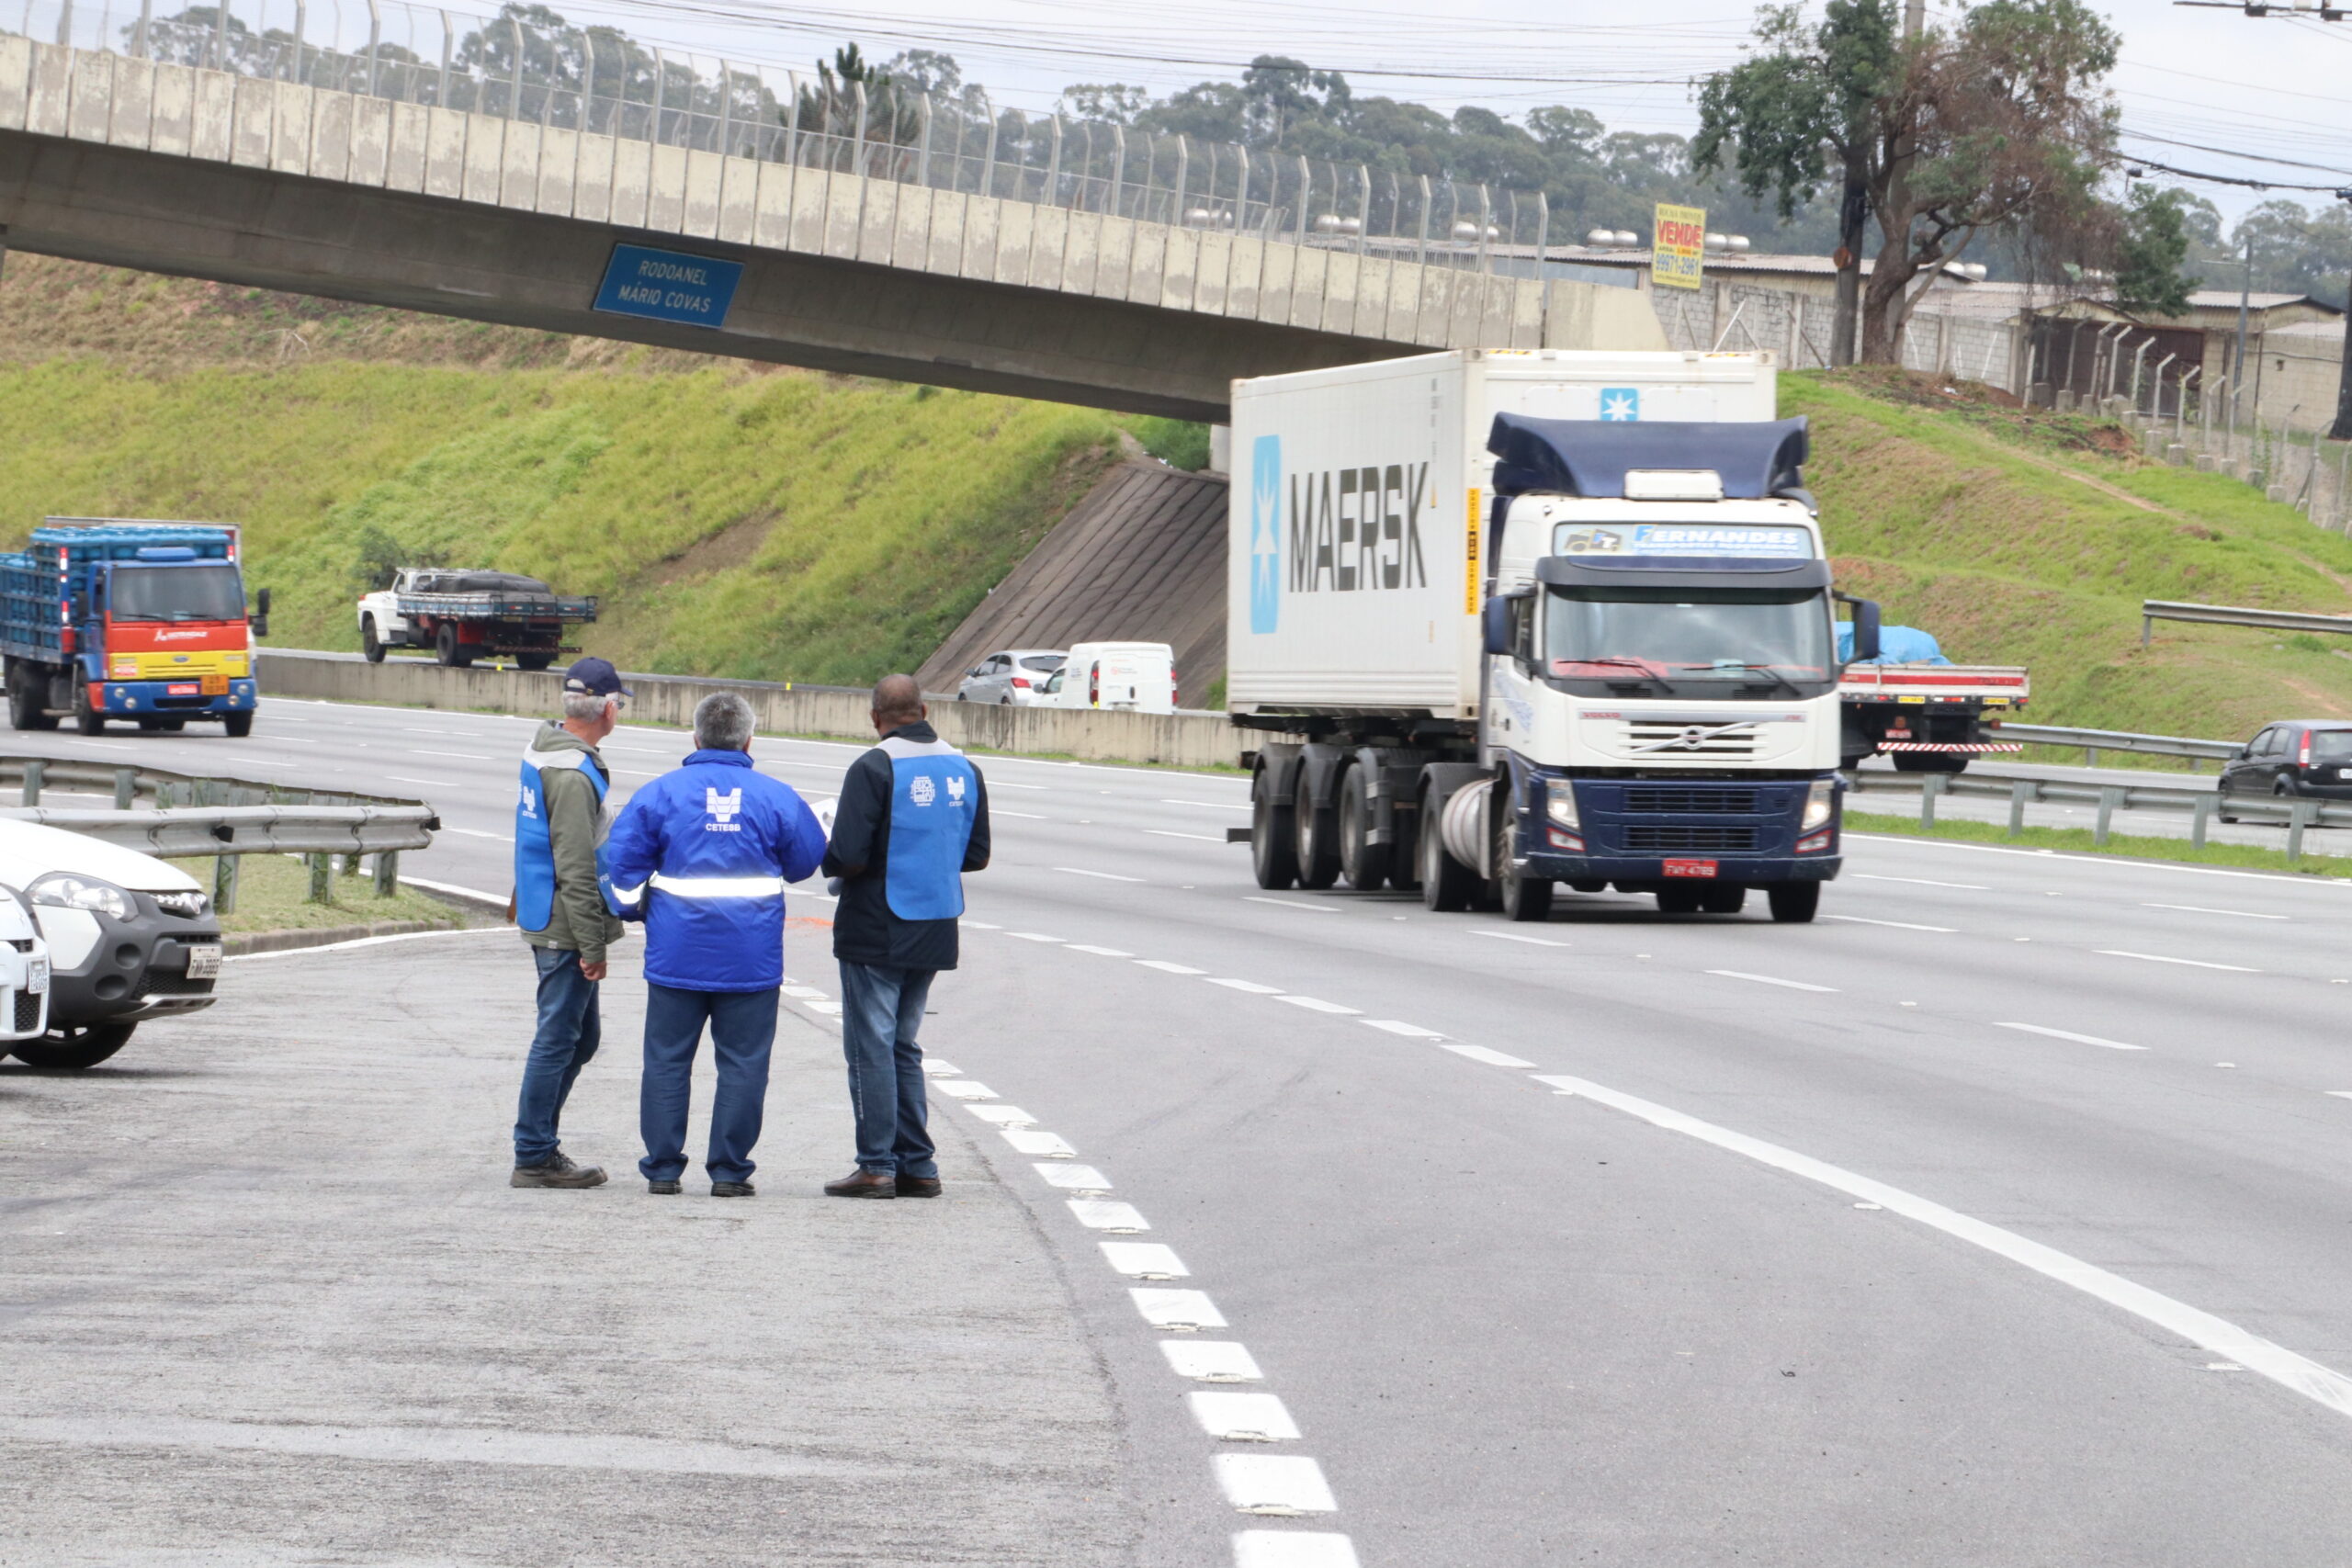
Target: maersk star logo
[
  {"x": 1621, "y": 405},
  {"x": 921, "y": 791},
  {"x": 723, "y": 810},
  {"x": 954, "y": 789},
  {"x": 530, "y": 801},
  {"x": 1265, "y": 534}
]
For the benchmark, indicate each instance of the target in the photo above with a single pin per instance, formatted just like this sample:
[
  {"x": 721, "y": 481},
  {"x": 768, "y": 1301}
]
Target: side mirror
[
  {"x": 261, "y": 613},
  {"x": 1495, "y": 623},
  {"x": 1865, "y": 631}
]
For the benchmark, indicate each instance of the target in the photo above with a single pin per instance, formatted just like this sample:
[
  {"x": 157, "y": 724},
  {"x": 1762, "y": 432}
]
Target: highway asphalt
[{"x": 1997, "y": 1218}]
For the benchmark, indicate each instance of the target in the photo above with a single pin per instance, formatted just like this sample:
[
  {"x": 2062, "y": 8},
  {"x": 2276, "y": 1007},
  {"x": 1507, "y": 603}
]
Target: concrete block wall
[{"x": 1182, "y": 739}]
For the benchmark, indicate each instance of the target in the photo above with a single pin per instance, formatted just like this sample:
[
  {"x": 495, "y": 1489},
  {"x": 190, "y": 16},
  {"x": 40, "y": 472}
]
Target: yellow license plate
[{"x": 214, "y": 685}]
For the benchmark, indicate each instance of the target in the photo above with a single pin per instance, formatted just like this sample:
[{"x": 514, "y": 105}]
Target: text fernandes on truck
[{"x": 1510, "y": 620}]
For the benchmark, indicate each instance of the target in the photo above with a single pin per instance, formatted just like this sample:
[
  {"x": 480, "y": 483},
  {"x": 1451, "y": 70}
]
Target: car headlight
[
  {"x": 188, "y": 905},
  {"x": 1560, "y": 802},
  {"x": 69, "y": 890},
  {"x": 1817, "y": 802}
]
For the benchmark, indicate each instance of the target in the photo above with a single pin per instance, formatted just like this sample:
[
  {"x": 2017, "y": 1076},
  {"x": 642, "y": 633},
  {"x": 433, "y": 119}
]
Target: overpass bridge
[{"x": 208, "y": 146}]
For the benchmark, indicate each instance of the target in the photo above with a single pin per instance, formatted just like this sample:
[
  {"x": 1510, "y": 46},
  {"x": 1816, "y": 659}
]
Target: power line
[{"x": 2233, "y": 152}]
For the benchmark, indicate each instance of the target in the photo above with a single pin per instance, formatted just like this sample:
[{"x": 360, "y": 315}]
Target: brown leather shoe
[
  {"x": 864, "y": 1183},
  {"x": 917, "y": 1186}
]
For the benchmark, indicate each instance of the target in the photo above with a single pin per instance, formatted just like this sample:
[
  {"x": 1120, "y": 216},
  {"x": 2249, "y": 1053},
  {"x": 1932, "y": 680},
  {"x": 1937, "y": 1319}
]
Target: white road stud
[
  {"x": 1083, "y": 1179},
  {"x": 1038, "y": 1146},
  {"x": 1181, "y": 1311},
  {"x": 1143, "y": 1260},
  {"x": 1274, "y": 1484},
  {"x": 1105, "y": 1214},
  {"x": 1242, "y": 1417},
  {"x": 1211, "y": 1361}
]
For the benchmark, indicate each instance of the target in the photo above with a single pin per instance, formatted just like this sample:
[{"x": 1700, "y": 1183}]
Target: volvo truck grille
[
  {"x": 1641, "y": 836},
  {"x": 1713, "y": 802}
]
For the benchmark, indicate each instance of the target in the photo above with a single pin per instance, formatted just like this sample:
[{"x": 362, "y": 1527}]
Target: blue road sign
[{"x": 668, "y": 285}]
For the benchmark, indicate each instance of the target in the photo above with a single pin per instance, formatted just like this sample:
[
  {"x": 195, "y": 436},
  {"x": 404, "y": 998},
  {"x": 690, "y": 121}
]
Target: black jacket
[{"x": 864, "y": 931}]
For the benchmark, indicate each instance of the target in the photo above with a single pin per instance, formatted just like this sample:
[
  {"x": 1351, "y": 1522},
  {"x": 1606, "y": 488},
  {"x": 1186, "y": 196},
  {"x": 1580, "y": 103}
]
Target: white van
[{"x": 1138, "y": 676}]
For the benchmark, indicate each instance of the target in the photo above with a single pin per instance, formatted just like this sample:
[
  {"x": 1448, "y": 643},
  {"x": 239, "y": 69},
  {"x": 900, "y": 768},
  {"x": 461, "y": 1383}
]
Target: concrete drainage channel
[{"x": 1180, "y": 740}]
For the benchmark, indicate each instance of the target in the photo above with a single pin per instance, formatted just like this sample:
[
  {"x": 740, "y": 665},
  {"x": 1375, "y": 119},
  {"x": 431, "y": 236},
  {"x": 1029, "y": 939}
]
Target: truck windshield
[
  {"x": 200, "y": 590},
  {"x": 1678, "y": 637}
]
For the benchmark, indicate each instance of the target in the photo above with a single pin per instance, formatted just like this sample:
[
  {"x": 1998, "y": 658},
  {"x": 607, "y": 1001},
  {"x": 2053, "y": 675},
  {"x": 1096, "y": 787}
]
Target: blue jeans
[
  {"x": 881, "y": 1012},
  {"x": 567, "y": 1033},
  {"x": 742, "y": 1029}
]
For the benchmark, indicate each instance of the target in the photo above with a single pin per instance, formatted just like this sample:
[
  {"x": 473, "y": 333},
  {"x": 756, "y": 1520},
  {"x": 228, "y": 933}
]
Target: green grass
[
  {"x": 2079, "y": 841},
  {"x": 273, "y": 895}
]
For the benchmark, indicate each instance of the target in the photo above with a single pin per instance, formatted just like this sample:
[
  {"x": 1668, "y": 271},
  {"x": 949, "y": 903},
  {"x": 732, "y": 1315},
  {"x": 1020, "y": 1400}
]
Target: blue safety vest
[
  {"x": 534, "y": 851},
  {"x": 934, "y": 795}
]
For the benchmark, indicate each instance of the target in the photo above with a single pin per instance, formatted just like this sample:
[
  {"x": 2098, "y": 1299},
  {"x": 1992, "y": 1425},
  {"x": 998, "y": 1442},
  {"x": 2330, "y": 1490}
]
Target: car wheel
[
  {"x": 1273, "y": 837},
  {"x": 1793, "y": 903},
  {"x": 1520, "y": 896},
  {"x": 72, "y": 1046},
  {"x": 1362, "y": 861},
  {"x": 1446, "y": 884}
]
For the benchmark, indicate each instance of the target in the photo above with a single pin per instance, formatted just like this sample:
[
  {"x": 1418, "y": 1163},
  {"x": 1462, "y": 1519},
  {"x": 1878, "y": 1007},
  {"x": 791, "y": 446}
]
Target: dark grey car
[{"x": 2306, "y": 757}]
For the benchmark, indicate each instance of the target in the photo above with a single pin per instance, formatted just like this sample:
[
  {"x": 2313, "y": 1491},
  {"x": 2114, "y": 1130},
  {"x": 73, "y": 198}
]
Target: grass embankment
[
  {"x": 273, "y": 895},
  {"x": 736, "y": 520},
  {"x": 2124, "y": 846},
  {"x": 2031, "y": 539}
]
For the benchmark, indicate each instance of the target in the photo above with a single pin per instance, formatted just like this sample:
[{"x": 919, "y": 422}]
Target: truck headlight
[
  {"x": 1818, "y": 801},
  {"x": 1560, "y": 803},
  {"x": 65, "y": 890}
]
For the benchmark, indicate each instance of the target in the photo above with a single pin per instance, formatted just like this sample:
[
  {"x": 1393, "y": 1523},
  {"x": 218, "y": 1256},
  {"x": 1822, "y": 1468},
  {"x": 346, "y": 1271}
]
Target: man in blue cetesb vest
[
  {"x": 913, "y": 818},
  {"x": 559, "y": 905},
  {"x": 702, "y": 855}
]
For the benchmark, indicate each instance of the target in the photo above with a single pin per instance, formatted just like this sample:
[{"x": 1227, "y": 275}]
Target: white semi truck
[{"x": 1509, "y": 620}]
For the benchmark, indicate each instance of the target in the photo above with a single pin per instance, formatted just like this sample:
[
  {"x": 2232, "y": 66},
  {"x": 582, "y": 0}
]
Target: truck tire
[
  {"x": 1518, "y": 896},
  {"x": 72, "y": 1046},
  {"x": 1928, "y": 762},
  {"x": 87, "y": 720},
  {"x": 238, "y": 725},
  {"x": 1446, "y": 884},
  {"x": 1726, "y": 900},
  {"x": 371, "y": 646},
  {"x": 24, "y": 708},
  {"x": 1793, "y": 903},
  {"x": 533, "y": 661},
  {"x": 1273, "y": 837},
  {"x": 1362, "y": 861},
  {"x": 1678, "y": 900},
  {"x": 1318, "y": 848},
  {"x": 448, "y": 649}
]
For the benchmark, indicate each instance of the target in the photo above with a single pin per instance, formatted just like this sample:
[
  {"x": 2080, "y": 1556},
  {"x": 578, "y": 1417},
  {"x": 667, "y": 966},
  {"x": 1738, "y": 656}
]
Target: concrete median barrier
[{"x": 1183, "y": 740}]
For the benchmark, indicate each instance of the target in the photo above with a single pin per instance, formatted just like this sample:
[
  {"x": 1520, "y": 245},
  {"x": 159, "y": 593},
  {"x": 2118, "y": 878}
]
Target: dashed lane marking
[
  {"x": 1166, "y": 969},
  {"x": 2070, "y": 1034},
  {"x": 1000, "y": 811},
  {"x": 1770, "y": 980},
  {"x": 966, "y": 1088},
  {"x": 1097, "y": 951},
  {"x": 429, "y": 783},
  {"x": 2298, "y": 1374},
  {"x": 2160, "y": 958},
  {"x": 1316, "y": 1004},
  {"x": 1922, "y": 882},
  {"x": 1211, "y": 805},
  {"x": 365, "y": 942},
  {"x": 1197, "y": 838},
  {"x": 1293, "y": 1549},
  {"x": 1276, "y": 1484},
  {"x": 1898, "y": 925},
  {"x": 1492, "y": 1057},
  {"x": 1083, "y": 1179},
  {"x": 1210, "y": 1361},
  {"x": 1001, "y": 1115},
  {"x": 1032, "y": 936},
  {"x": 1108, "y": 1215},
  {"x": 1252, "y": 987},
  {"x": 1181, "y": 1312},
  {"x": 1516, "y": 936},
  {"x": 1398, "y": 1026},
  {"x": 460, "y": 756},
  {"x": 1143, "y": 1260},
  {"x": 1291, "y": 904},
  {"x": 478, "y": 833},
  {"x": 1037, "y": 1144},
  {"x": 1105, "y": 876},
  {"x": 2199, "y": 909},
  {"x": 1242, "y": 1417}
]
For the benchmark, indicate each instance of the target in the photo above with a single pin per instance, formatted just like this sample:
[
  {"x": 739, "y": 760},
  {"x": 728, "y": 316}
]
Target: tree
[{"x": 2149, "y": 253}]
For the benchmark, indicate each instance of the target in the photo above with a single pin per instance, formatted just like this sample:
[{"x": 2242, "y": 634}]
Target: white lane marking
[
  {"x": 1898, "y": 925},
  {"x": 1769, "y": 980},
  {"x": 2159, "y": 958},
  {"x": 1083, "y": 1179},
  {"x": 2107, "y": 863},
  {"x": 2199, "y": 909},
  {"x": 940, "y": 1068},
  {"x": 462, "y": 756},
  {"x": 1105, "y": 876},
  {"x": 1197, "y": 838},
  {"x": 1242, "y": 1417},
  {"x": 1108, "y": 1215},
  {"x": 1181, "y": 1311},
  {"x": 2070, "y": 1034},
  {"x": 2296, "y": 1373},
  {"x": 429, "y": 783},
  {"x": 959, "y": 1088},
  {"x": 1032, "y": 936},
  {"x": 455, "y": 890},
  {"x": 1291, "y": 904},
  {"x": 1921, "y": 882},
  {"x": 2338, "y": 1093},
  {"x": 1492, "y": 1057},
  {"x": 997, "y": 811},
  {"x": 1514, "y": 936},
  {"x": 1038, "y": 1145},
  {"x": 804, "y": 993},
  {"x": 1211, "y": 1361},
  {"x": 1275, "y": 1484},
  {"x": 478, "y": 833},
  {"x": 980, "y": 926},
  {"x": 1001, "y": 784},
  {"x": 1097, "y": 951},
  {"x": 1398, "y": 1026},
  {"x": 1252, "y": 987},
  {"x": 1143, "y": 1260},
  {"x": 366, "y": 941},
  {"x": 1293, "y": 1549},
  {"x": 1210, "y": 804},
  {"x": 1001, "y": 1115},
  {"x": 1166, "y": 969},
  {"x": 1316, "y": 1004}
]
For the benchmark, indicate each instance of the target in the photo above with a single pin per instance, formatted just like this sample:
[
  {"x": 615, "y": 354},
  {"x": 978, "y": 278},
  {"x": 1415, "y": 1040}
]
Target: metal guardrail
[
  {"x": 2201, "y": 804},
  {"x": 2094, "y": 741},
  {"x": 2154, "y": 609}
]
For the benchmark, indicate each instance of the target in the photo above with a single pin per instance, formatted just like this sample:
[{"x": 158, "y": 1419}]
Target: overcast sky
[{"x": 2277, "y": 88}]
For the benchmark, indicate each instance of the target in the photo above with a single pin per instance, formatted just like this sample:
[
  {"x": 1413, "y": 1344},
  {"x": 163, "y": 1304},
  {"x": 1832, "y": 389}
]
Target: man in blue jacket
[
  {"x": 701, "y": 855},
  {"x": 913, "y": 819}
]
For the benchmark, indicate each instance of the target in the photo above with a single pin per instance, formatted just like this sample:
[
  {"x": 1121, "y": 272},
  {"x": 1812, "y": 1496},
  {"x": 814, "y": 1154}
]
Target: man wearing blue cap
[{"x": 559, "y": 903}]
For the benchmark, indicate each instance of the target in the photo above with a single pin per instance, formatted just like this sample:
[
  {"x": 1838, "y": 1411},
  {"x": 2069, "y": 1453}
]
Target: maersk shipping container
[{"x": 1354, "y": 570}]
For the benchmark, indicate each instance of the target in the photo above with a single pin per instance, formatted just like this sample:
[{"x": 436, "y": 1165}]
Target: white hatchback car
[
  {"x": 1017, "y": 677},
  {"x": 125, "y": 937}
]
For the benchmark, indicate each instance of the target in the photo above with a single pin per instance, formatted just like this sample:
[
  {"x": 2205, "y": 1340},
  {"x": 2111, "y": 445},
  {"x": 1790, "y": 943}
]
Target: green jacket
[{"x": 577, "y": 822}]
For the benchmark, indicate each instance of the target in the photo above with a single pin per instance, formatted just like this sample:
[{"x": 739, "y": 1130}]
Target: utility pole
[
  {"x": 2342, "y": 429},
  {"x": 2245, "y": 293}
]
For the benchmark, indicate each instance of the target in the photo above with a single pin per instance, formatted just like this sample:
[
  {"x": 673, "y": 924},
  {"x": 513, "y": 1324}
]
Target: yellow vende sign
[{"x": 1680, "y": 247}]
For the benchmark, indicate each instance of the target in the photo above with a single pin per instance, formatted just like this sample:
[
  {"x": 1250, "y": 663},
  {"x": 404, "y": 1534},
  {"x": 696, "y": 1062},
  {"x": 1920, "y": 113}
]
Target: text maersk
[{"x": 1353, "y": 529}]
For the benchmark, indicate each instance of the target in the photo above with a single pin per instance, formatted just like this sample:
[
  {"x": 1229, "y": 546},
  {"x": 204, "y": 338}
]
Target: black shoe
[
  {"x": 669, "y": 1189},
  {"x": 918, "y": 1185},
  {"x": 730, "y": 1189},
  {"x": 864, "y": 1183},
  {"x": 558, "y": 1170}
]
